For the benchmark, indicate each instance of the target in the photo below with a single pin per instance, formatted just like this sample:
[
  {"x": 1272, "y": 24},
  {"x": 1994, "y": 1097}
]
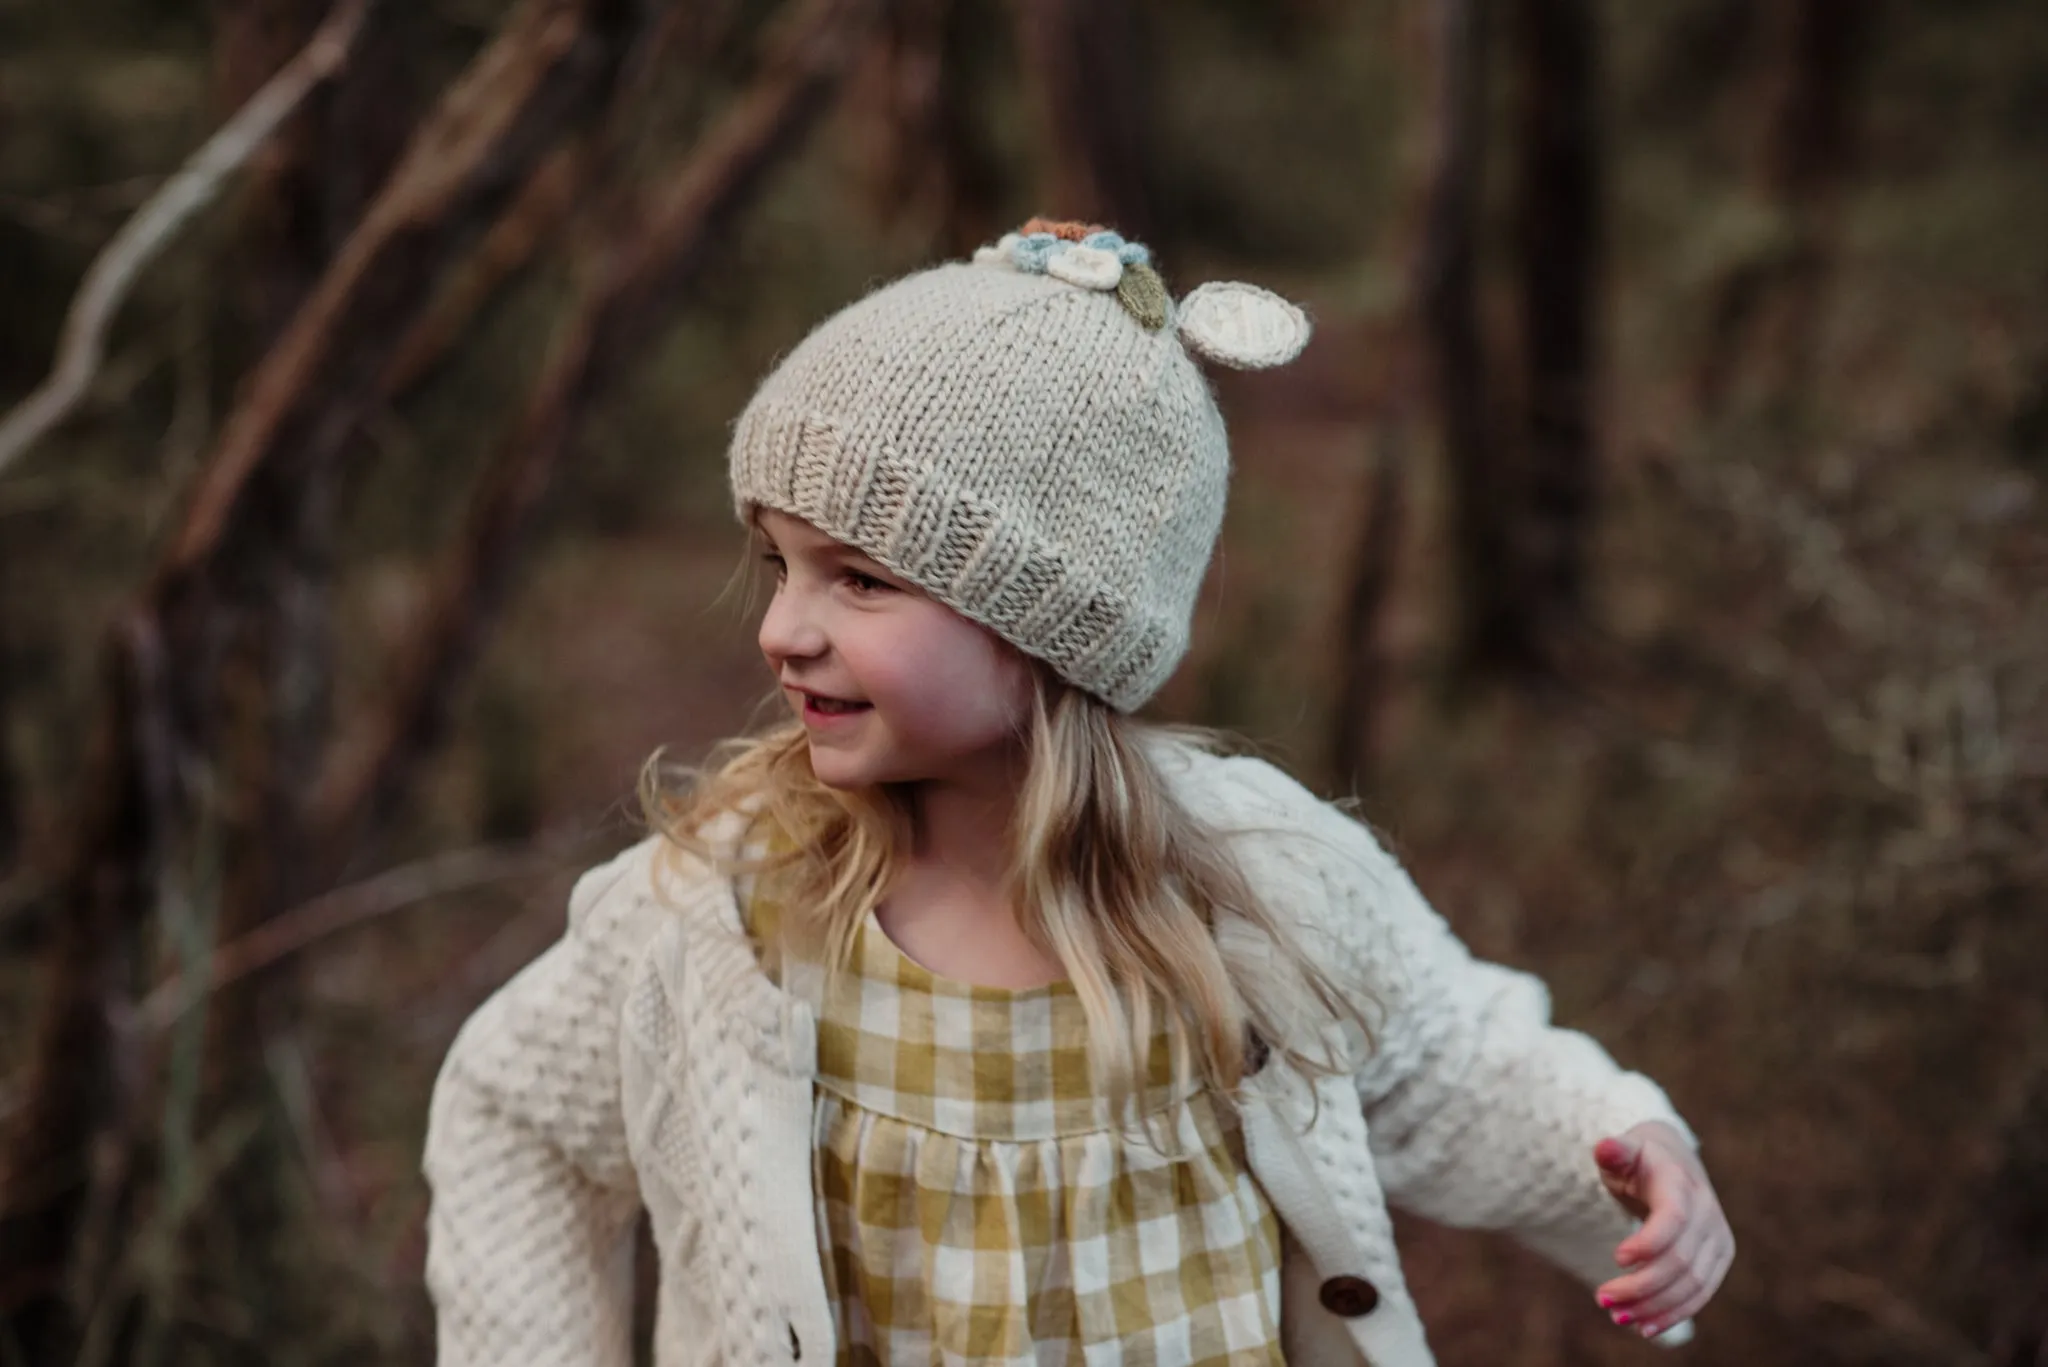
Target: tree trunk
[
  {"x": 270, "y": 698},
  {"x": 1361, "y": 667},
  {"x": 1558, "y": 257},
  {"x": 11, "y": 816},
  {"x": 920, "y": 97},
  {"x": 310, "y": 185},
  {"x": 1086, "y": 63},
  {"x": 1821, "y": 45},
  {"x": 77, "y": 1110},
  {"x": 1491, "y": 635},
  {"x": 1765, "y": 309},
  {"x": 970, "y": 186}
]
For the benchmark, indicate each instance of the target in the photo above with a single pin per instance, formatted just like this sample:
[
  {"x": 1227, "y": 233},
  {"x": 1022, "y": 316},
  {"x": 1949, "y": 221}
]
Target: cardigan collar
[{"x": 783, "y": 1024}]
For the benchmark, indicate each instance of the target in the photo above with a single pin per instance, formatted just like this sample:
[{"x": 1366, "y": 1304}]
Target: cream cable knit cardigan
[{"x": 645, "y": 1059}]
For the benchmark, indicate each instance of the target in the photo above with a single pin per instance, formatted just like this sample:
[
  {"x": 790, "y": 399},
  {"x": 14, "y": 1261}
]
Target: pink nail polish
[
  {"x": 1623, "y": 1317},
  {"x": 1607, "y": 1302}
]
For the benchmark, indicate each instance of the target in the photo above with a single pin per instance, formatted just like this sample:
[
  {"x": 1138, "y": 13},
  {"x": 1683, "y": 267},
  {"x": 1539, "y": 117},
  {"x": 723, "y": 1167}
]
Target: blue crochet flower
[
  {"x": 1130, "y": 253},
  {"x": 1033, "y": 250}
]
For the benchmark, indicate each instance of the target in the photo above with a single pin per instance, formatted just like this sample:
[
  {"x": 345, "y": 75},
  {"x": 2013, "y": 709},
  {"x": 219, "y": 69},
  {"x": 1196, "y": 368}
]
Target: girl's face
[{"x": 936, "y": 696}]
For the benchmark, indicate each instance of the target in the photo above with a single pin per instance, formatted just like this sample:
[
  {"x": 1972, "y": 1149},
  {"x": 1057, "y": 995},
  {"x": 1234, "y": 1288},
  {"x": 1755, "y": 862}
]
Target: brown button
[{"x": 1349, "y": 1296}]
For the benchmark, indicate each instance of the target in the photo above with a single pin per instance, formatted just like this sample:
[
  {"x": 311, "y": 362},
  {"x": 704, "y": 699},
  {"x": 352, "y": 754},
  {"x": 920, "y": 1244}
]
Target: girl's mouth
[{"x": 826, "y": 710}]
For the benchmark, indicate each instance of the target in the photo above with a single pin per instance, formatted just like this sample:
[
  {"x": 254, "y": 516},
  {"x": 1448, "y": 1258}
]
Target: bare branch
[
  {"x": 636, "y": 276},
  {"x": 325, "y": 915},
  {"x": 472, "y": 153},
  {"x": 82, "y": 344},
  {"x": 543, "y": 202}
]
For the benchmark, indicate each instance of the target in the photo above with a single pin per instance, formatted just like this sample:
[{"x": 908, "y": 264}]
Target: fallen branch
[{"x": 82, "y": 344}]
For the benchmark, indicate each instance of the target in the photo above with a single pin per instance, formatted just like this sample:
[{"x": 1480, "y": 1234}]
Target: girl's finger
[
  {"x": 1621, "y": 1172},
  {"x": 1637, "y": 1293},
  {"x": 1667, "y": 1221},
  {"x": 1676, "y": 1301},
  {"x": 1657, "y": 1321},
  {"x": 1617, "y": 1155},
  {"x": 1626, "y": 1295},
  {"x": 1689, "y": 1295}
]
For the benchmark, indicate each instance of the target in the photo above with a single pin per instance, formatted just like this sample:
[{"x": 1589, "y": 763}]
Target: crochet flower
[{"x": 1087, "y": 255}]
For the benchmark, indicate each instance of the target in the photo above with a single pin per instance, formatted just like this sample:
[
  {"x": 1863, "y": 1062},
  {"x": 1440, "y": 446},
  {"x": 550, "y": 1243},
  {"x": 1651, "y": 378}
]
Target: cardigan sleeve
[
  {"x": 529, "y": 1235},
  {"x": 1482, "y": 1113}
]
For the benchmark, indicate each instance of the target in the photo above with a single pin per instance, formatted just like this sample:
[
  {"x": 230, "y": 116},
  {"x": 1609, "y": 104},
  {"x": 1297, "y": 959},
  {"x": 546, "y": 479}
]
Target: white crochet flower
[{"x": 1094, "y": 268}]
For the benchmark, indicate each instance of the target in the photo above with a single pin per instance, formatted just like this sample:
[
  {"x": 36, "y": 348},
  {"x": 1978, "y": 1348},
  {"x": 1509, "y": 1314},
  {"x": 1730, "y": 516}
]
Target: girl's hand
[{"x": 1679, "y": 1256}]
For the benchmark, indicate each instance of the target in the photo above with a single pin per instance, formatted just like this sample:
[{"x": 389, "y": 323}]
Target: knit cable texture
[
  {"x": 529, "y": 1236},
  {"x": 645, "y": 1057},
  {"x": 1021, "y": 448}
]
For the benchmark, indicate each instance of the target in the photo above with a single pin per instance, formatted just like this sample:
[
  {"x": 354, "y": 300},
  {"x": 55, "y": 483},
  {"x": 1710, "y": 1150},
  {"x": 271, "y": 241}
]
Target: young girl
[{"x": 966, "y": 1018}]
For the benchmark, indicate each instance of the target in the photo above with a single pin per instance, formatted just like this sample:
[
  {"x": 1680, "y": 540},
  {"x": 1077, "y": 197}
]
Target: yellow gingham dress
[{"x": 974, "y": 1203}]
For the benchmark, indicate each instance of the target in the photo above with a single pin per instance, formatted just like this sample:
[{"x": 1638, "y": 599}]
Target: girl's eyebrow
[{"x": 829, "y": 550}]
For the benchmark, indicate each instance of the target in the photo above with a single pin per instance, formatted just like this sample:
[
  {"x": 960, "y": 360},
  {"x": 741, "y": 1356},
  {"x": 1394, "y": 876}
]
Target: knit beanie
[{"x": 1027, "y": 438}]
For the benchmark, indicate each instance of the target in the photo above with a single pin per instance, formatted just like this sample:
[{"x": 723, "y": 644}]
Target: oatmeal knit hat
[{"x": 1027, "y": 438}]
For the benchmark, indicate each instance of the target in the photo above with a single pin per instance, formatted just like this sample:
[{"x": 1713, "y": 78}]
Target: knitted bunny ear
[{"x": 1240, "y": 325}]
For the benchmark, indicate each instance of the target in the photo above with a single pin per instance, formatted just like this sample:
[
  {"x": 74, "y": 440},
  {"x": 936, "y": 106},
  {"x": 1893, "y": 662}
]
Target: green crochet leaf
[{"x": 1143, "y": 294}]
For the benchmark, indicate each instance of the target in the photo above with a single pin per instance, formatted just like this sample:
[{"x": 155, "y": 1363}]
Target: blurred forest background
[{"x": 1652, "y": 537}]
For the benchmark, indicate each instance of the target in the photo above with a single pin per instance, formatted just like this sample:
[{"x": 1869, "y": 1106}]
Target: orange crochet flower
[{"x": 1069, "y": 229}]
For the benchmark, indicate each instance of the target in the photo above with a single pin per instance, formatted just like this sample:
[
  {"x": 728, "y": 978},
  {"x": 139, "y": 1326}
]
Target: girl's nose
[{"x": 789, "y": 629}]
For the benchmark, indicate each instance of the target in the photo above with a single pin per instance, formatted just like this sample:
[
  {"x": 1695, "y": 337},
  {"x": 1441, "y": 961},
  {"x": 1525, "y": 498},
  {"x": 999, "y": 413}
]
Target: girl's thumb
[{"x": 1617, "y": 1155}]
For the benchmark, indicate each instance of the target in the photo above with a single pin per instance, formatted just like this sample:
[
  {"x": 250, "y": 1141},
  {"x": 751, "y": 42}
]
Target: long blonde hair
[{"x": 1107, "y": 870}]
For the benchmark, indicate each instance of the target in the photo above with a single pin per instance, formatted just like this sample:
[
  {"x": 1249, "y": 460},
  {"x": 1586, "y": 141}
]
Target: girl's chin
[{"x": 837, "y": 770}]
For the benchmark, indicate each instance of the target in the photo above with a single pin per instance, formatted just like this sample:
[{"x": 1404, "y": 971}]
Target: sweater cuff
[{"x": 1634, "y": 1099}]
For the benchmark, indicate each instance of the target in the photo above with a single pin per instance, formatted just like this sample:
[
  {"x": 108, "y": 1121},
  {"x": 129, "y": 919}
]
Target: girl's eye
[{"x": 864, "y": 583}]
